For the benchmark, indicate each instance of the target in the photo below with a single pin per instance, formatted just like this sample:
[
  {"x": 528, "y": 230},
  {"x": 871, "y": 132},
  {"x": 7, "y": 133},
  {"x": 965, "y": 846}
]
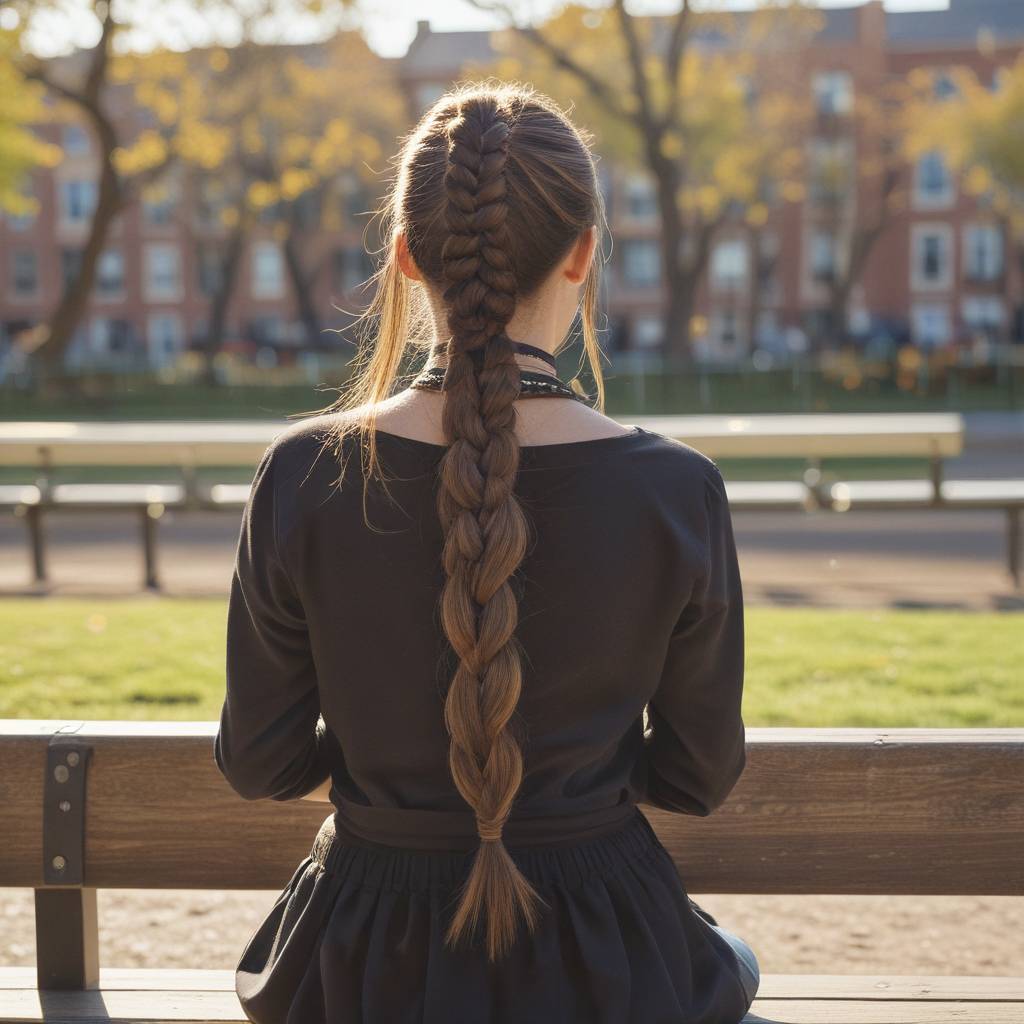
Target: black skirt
[{"x": 357, "y": 937}]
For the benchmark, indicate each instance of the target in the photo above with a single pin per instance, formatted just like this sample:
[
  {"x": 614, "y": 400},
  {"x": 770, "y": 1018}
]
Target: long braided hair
[{"x": 494, "y": 186}]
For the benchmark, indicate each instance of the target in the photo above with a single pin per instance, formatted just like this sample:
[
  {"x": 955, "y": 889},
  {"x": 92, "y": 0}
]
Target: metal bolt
[
  {"x": 73, "y": 758},
  {"x": 59, "y": 862},
  {"x": 60, "y": 773},
  {"x": 65, "y": 805}
]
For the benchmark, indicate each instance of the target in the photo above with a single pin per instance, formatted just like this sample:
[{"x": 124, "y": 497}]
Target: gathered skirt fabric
[{"x": 357, "y": 937}]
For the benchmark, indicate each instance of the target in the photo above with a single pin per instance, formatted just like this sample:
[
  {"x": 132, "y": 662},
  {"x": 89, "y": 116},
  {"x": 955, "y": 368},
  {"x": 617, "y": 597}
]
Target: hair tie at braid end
[{"x": 490, "y": 831}]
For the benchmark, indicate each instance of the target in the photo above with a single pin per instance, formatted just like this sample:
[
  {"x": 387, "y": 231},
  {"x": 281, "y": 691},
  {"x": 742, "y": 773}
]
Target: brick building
[{"x": 941, "y": 271}]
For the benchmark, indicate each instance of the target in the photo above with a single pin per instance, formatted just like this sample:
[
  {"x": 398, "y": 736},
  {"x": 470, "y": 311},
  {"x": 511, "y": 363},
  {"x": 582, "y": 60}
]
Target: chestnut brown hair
[{"x": 493, "y": 188}]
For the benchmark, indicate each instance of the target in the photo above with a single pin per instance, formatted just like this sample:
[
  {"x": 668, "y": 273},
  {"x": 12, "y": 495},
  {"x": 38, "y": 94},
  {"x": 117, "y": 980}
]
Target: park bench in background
[
  {"x": 190, "y": 447},
  {"x": 853, "y": 811}
]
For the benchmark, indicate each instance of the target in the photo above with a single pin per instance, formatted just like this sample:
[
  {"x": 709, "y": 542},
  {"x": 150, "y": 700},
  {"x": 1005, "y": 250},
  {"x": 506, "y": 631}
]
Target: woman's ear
[
  {"x": 581, "y": 255},
  {"x": 404, "y": 257}
]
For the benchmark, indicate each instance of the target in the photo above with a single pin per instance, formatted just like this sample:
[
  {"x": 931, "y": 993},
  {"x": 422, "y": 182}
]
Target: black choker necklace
[
  {"x": 520, "y": 346},
  {"x": 532, "y": 383}
]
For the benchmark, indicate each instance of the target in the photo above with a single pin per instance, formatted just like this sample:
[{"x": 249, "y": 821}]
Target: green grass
[{"x": 153, "y": 658}]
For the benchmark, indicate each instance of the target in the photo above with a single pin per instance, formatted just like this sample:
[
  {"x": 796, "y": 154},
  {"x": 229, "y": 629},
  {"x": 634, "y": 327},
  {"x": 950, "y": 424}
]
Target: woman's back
[
  {"x": 461, "y": 635},
  {"x": 624, "y": 530}
]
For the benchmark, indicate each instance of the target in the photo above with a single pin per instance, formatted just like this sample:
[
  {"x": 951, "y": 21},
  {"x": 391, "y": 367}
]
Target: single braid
[{"x": 485, "y": 530}]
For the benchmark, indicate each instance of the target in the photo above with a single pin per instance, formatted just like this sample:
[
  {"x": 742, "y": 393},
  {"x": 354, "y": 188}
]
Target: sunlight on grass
[{"x": 164, "y": 658}]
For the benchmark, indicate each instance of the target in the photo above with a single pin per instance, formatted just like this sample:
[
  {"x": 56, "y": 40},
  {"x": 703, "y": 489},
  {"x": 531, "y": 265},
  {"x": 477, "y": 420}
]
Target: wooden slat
[
  {"x": 891, "y": 987},
  {"x": 773, "y": 986},
  {"x": 139, "y": 979},
  {"x": 215, "y": 443},
  {"x": 146, "y": 1007},
  {"x": 851, "y": 811},
  {"x": 829, "y": 1011},
  {"x": 116, "y": 1005}
]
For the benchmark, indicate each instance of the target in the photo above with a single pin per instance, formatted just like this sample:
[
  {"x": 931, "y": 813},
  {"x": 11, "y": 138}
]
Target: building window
[
  {"x": 24, "y": 273},
  {"x": 110, "y": 336},
  {"x": 641, "y": 263},
  {"x": 729, "y": 264},
  {"x": 931, "y": 248},
  {"x": 641, "y": 198},
  {"x": 163, "y": 273},
  {"x": 983, "y": 252},
  {"x": 823, "y": 257},
  {"x": 110, "y": 274},
  {"x": 74, "y": 140},
  {"x": 648, "y": 332},
  {"x": 933, "y": 184},
  {"x": 166, "y": 338},
  {"x": 267, "y": 271},
  {"x": 77, "y": 201},
  {"x": 984, "y": 314},
  {"x": 833, "y": 92},
  {"x": 931, "y": 324},
  {"x": 831, "y": 161},
  {"x": 160, "y": 204}
]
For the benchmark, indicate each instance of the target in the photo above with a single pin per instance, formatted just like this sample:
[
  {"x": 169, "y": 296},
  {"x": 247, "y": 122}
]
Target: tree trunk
[
  {"x": 75, "y": 297},
  {"x": 221, "y": 300},
  {"x": 302, "y": 286}
]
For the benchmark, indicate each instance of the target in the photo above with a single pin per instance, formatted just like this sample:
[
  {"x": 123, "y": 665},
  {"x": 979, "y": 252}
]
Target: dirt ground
[{"x": 809, "y": 934}]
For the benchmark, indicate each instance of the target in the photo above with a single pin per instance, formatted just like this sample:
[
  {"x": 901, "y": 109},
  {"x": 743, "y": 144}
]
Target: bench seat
[
  {"x": 17, "y": 495},
  {"x": 769, "y": 494},
  {"x": 140, "y": 995},
  {"x": 116, "y": 495},
  {"x": 847, "y": 494}
]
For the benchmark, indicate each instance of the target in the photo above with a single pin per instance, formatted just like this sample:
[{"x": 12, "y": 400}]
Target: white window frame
[
  {"x": 971, "y": 303},
  {"x": 833, "y": 83},
  {"x": 813, "y": 237},
  {"x": 918, "y": 310},
  {"x": 983, "y": 227},
  {"x": 648, "y": 332},
  {"x": 926, "y": 200},
  {"x": 99, "y": 295},
  {"x": 640, "y": 188},
  {"x": 918, "y": 232},
  {"x": 735, "y": 275},
  {"x": 261, "y": 287},
  {"x": 85, "y": 205},
  {"x": 159, "y": 353},
  {"x": 157, "y": 291},
  {"x": 650, "y": 245}
]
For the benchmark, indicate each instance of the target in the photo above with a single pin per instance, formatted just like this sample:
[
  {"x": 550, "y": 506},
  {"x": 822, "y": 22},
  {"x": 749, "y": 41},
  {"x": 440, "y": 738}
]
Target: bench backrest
[
  {"x": 817, "y": 811},
  {"x": 219, "y": 443}
]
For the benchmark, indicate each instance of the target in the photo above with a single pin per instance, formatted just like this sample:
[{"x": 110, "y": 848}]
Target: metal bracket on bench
[
  {"x": 67, "y": 928},
  {"x": 67, "y": 759}
]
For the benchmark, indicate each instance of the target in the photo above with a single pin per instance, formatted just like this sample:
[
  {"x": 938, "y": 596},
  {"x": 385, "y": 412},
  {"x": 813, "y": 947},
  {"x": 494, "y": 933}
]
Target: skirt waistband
[
  {"x": 419, "y": 829},
  {"x": 566, "y": 861}
]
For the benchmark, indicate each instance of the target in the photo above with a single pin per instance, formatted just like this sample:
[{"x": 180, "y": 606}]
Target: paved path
[{"x": 948, "y": 559}]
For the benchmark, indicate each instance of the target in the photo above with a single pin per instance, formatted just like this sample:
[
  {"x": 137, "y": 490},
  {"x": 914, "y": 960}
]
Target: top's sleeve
[
  {"x": 271, "y": 741},
  {"x": 696, "y": 744}
]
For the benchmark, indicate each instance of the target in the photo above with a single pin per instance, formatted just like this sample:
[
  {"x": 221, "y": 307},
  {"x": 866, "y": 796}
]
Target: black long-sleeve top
[{"x": 630, "y": 599}]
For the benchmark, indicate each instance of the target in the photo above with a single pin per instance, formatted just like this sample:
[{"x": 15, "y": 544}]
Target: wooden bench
[
  {"x": 906, "y": 812},
  {"x": 190, "y": 446},
  {"x": 1005, "y": 495}
]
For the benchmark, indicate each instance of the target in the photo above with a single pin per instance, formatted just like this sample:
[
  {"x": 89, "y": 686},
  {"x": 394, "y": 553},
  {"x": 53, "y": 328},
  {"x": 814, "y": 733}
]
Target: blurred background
[{"x": 814, "y": 273}]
